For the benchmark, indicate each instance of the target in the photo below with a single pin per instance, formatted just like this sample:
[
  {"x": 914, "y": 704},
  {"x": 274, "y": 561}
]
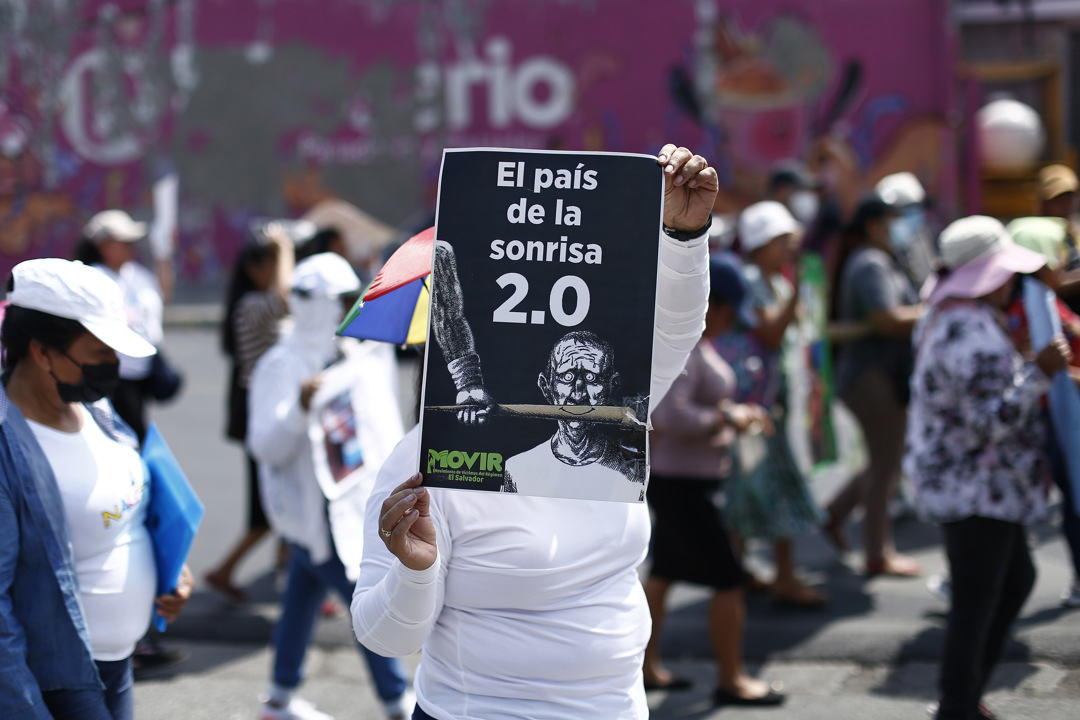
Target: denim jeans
[
  {"x": 992, "y": 575},
  {"x": 118, "y": 703},
  {"x": 304, "y": 592}
]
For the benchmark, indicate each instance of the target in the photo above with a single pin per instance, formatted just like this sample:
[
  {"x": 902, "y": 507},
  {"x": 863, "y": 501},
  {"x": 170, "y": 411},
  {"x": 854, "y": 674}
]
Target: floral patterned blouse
[{"x": 975, "y": 438}]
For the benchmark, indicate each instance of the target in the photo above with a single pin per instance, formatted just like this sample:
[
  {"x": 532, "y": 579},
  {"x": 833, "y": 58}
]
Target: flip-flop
[
  {"x": 769, "y": 699},
  {"x": 675, "y": 683}
]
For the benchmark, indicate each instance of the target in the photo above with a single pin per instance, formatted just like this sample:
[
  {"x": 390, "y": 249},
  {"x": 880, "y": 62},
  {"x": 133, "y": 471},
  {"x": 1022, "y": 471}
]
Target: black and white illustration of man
[{"x": 580, "y": 460}]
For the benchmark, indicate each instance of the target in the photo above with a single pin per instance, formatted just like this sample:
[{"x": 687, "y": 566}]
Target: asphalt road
[{"x": 870, "y": 653}]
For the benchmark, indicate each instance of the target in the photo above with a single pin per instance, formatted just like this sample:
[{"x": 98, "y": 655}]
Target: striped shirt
[{"x": 257, "y": 320}]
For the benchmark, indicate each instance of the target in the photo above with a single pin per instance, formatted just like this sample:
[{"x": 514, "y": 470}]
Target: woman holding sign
[
  {"x": 531, "y": 606},
  {"x": 76, "y": 560}
]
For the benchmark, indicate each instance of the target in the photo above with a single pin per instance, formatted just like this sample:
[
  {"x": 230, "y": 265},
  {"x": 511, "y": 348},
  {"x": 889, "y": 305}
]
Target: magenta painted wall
[{"x": 265, "y": 106}]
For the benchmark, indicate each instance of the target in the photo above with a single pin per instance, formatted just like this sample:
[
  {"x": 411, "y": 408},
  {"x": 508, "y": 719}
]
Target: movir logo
[{"x": 454, "y": 460}]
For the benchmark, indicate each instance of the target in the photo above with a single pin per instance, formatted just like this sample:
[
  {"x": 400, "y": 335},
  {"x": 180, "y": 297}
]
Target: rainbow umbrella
[{"x": 394, "y": 308}]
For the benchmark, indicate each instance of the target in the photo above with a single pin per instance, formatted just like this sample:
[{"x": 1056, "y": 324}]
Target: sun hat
[
  {"x": 763, "y": 222},
  {"x": 78, "y": 292},
  {"x": 1057, "y": 180},
  {"x": 325, "y": 275},
  {"x": 728, "y": 284},
  {"x": 1044, "y": 235},
  {"x": 115, "y": 224},
  {"x": 978, "y": 256}
]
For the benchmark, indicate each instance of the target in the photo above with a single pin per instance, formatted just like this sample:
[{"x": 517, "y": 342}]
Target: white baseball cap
[
  {"x": 326, "y": 275},
  {"x": 78, "y": 292},
  {"x": 115, "y": 224},
  {"x": 763, "y": 222},
  {"x": 901, "y": 189}
]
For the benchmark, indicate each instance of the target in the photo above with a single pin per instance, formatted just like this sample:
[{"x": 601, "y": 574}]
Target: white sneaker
[
  {"x": 297, "y": 709},
  {"x": 940, "y": 586},
  {"x": 1071, "y": 597}
]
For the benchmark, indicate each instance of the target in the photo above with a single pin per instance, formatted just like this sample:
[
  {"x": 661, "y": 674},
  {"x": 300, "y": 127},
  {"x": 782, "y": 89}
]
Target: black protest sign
[{"x": 541, "y": 330}]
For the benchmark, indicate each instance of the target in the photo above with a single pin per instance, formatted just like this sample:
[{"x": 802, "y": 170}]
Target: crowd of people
[{"x": 543, "y": 614}]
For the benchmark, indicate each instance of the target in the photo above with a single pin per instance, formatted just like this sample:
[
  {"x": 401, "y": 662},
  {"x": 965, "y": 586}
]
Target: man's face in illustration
[{"x": 578, "y": 373}]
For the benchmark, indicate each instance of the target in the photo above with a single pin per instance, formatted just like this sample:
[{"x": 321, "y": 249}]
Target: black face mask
[{"x": 98, "y": 381}]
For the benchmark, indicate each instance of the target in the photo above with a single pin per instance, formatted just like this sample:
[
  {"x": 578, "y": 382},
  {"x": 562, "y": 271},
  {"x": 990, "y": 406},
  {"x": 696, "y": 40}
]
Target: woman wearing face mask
[
  {"x": 871, "y": 378},
  {"x": 77, "y": 574},
  {"x": 976, "y": 451}
]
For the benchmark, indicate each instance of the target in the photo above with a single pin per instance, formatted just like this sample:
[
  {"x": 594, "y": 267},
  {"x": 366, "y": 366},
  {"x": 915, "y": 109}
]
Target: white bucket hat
[
  {"x": 763, "y": 222},
  {"x": 115, "y": 224},
  {"x": 78, "y": 292}
]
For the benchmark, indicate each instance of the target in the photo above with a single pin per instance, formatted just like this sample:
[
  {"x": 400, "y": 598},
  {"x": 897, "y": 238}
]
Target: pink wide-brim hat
[{"x": 981, "y": 257}]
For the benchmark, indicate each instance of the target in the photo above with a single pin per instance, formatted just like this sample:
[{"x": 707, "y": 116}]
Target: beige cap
[
  {"x": 1057, "y": 180},
  {"x": 115, "y": 224}
]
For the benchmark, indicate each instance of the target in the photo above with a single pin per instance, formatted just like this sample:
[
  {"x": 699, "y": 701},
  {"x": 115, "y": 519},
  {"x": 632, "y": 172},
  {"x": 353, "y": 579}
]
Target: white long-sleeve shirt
[
  {"x": 533, "y": 608},
  {"x": 279, "y": 439}
]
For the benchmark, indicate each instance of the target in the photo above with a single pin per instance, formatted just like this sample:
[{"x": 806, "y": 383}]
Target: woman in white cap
[
  {"x": 77, "y": 573},
  {"x": 772, "y": 502},
  {"x": 109, "y": 244},
  {"x": 976, "y": 447}
]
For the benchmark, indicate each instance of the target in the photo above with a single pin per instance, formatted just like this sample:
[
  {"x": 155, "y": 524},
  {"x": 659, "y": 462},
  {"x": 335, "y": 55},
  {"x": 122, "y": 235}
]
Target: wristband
[
  {"x": 687, "y": 235},
  {"x": 465, "y": 372}
]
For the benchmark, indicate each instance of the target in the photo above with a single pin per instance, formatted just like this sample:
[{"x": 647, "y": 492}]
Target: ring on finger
[{"x": 385, "y": 533}]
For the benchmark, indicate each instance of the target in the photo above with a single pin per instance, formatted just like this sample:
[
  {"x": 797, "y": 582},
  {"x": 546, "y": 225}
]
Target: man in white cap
[
  {"x": 323, "y": 552},
  {"x": 77, "y": 573}
]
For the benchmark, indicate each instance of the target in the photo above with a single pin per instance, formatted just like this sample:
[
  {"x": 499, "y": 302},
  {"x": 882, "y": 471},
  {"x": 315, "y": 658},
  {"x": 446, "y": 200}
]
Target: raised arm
[{"x": 682, "y": 291}]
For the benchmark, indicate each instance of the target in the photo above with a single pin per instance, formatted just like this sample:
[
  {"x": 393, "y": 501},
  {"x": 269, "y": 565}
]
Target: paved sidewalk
[{"x": 223, "y": 681}]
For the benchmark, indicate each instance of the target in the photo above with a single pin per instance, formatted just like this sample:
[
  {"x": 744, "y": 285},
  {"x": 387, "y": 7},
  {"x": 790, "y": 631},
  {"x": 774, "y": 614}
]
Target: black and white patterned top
[{"x": 975, "y": 437}]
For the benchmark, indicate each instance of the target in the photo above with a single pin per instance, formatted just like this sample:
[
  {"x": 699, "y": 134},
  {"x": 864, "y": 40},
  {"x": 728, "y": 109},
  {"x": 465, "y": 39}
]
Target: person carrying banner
[
  {"x": 77, "y": 568},
  {"x": 693, "y": 430},
  {"x": 283, "y": 383},
  {"x": 531, "y": 607},
  {"x": 975, "y": 448}
]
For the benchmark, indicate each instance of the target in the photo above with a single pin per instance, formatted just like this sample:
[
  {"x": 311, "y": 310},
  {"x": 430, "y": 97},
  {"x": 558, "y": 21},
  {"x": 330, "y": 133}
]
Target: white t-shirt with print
[{"x": 105, "y": 490}]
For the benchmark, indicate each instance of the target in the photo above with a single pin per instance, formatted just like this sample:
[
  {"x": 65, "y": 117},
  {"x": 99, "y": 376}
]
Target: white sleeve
[
  {"x": 277, "y": 424},
  {"x": 682, "y": 295},
  {"x": 395, "y": 608}
]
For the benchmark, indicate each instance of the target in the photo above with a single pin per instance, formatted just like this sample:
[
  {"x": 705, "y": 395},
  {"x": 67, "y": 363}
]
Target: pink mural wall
[{"x": 268, "y": 106}]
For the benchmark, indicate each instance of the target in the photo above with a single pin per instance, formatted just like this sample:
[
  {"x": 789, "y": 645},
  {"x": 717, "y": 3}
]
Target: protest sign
[
  {"x": 354, "y": 420},
  {"x": 543, "y": 309}
]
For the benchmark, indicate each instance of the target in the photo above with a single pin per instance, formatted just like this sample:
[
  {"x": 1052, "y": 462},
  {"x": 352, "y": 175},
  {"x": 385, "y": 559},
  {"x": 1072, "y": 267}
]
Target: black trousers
[{"x": 992, "y": 576}]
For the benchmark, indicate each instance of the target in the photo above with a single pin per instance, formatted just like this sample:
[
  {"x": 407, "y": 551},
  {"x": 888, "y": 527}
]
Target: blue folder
[
  {"x": 1043, "y": 324},
  {"x": 173, "y": 516}
]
